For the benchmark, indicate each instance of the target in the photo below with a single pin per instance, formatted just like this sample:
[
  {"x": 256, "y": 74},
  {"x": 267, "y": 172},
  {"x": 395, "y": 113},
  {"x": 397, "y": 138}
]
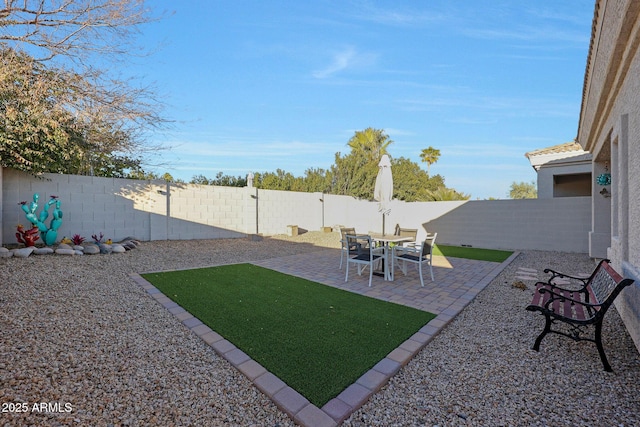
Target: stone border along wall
[
  {"x": 88, "y": 247},
  {"x": 155, "y": 210}
]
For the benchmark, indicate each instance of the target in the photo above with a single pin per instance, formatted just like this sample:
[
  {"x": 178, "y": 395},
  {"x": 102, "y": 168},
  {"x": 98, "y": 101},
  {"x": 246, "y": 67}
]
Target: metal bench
[{"x": 578, "y": 302}]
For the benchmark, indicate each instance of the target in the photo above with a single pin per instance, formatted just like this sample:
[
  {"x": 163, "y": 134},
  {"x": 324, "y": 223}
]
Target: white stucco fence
[{"x": 155, "y": 210}]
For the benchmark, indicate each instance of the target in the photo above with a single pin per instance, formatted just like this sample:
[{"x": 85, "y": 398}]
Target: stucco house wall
[
  {"x": 609, "y": 128},
  {"x": 562, "y": 170}
]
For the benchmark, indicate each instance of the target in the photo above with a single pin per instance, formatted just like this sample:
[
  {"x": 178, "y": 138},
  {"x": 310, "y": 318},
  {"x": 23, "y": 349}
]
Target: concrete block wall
[
  {"x": 89, "y": 205},
  {"x": 278, "y": 209},
  {"x": 153, "y": 210},
  {"x": 421, "y": 215},
  {"x": 550, "y": 224},
  {"x": 350, "y": 212},
  {"x": 561, "y": 224},
  {"x": 205, "y": 212}
]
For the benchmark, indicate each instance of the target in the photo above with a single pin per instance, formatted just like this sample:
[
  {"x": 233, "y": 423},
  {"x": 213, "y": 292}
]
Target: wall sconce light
[{"x": 605, "y": 193}]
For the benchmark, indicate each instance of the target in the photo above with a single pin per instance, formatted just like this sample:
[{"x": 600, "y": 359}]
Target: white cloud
[
  {"x": 528, "y": 33},
  {"x": 503, "y": 105},
  {"x": 347, "y": 58},
  {"x": 398, "y": 17}
]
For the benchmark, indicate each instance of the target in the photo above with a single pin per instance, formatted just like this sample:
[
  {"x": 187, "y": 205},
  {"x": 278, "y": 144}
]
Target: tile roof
[
  {"x": 590, "y": 54},
  {"x": 560, "y": 148}
]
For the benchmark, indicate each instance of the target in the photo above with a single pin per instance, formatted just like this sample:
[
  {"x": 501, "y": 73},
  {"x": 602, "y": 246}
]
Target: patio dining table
[{"x": 385, "y": 240}]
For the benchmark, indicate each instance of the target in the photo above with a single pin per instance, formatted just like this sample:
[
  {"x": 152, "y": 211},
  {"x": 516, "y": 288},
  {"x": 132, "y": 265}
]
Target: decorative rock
[
  {"x": 23, "y": 252},
  {"x": 63, "y": 251},
  {"x": 88, "y": 248},
  {"x": 91, "y": 249},
  {"x": 104, "y": 248},
  {"x": 117, "y": 248},
  {"x": 128, "y": 244},
  {"x": 5, "y": 253},
  {"x": 43, "y": 251},
  {"x": 133, "y": 240}
]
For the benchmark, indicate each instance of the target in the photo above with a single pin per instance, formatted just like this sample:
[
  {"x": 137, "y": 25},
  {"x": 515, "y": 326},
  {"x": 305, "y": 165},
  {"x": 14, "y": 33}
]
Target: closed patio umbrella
[{"x": 383, "y": 191}]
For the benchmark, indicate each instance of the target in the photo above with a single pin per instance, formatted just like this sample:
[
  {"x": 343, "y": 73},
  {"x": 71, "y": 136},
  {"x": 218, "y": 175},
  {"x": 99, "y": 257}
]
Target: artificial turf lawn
[
  {"x": 315, "y": 338},
  {"x": 471, "y": 253}
]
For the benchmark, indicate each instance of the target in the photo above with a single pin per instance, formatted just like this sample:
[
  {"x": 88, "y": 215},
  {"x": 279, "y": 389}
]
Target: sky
[{"x": 255, "y": 86}]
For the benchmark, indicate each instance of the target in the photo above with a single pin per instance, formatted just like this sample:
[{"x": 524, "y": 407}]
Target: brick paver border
[{"x": 296, "y": 406}]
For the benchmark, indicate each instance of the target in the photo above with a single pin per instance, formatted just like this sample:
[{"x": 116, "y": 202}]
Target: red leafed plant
[
  {"x": 77, "y": 239},
  {"x": 27, "y": 237}
]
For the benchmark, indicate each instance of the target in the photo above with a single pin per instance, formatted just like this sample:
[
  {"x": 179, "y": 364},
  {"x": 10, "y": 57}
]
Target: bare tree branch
[
  {"x": 66, "y": 108},
  {"x": 72, "y": 28}
]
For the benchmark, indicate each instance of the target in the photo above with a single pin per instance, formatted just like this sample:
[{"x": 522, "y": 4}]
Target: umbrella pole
[{"x": 383, "y": 223}]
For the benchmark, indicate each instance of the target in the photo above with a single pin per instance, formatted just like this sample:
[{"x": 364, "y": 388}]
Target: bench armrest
[{"x": 584, "y": 281}]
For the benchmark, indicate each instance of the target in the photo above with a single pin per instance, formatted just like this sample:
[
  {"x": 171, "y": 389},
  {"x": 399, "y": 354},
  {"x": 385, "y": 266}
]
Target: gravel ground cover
[
  {"x": 79, "y": 336},
  {"x": 480, "y": 370}
]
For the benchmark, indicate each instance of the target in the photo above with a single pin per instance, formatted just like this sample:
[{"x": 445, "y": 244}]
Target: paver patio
[{"x": 457, "y": 282}]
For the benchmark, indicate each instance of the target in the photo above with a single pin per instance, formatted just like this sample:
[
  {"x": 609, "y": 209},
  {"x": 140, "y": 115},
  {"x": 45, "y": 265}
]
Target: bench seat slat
[
  {"x": 568, "y": 312},
  {"x": 578, "y": 307}
]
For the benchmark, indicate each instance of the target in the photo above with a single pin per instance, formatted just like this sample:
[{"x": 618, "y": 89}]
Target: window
[{"x": 572, "y": 185}]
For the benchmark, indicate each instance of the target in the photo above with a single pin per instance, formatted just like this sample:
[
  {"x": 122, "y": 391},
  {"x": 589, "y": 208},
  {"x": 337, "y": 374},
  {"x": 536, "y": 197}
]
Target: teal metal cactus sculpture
[{"x": 48, "y": 234}]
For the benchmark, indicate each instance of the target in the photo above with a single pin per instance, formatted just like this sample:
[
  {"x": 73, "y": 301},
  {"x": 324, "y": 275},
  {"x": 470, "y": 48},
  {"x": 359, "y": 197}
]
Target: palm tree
[
  {"x": 372, "y": 143},
  {"x": 429, "y": 156},
  {"x": 444, "y": 194}
]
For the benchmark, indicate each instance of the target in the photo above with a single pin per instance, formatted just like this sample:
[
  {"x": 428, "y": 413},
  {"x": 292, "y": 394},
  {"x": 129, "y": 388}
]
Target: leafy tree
[
  {"x": 114, "y": 166},
  {"x": 412, "y": 183},
  {"x": 280, "y": 180},
  {"x": 221, "y": 180},
  {"x": 317, "y": 180},
  {"x": 444, "y": 194},
  {"x": 354, "y": 174},
  {"x": 429, "y": 156},
  {"x": 200, "y": 180},
  {"x": 141, "y": 174},
  {"x": 35, "y": 134},
  {"x": 167, "y": 177},
  {"x": 61, "y": 114},
  {"x": 523, "y": 190},
  {"x": 370, "y": 143},
  {"x": 229, "y": 181}
]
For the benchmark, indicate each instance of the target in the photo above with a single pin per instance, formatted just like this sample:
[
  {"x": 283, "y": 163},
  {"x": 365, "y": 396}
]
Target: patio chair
[
  {"x": 367, "y": 256},
  {"x": 348, "y": 248},
  {"x": 408, "y": 232},
  {"x": 417, "y": 255}
]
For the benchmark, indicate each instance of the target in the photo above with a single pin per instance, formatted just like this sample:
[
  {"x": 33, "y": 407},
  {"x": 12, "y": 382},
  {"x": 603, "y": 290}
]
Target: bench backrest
[{"x": 606, "y": 283}]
